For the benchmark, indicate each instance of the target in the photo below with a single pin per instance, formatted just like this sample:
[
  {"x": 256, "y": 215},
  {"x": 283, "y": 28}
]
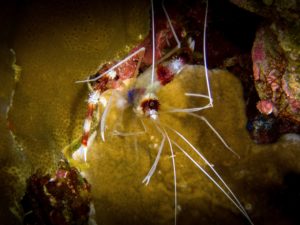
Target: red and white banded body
[{"x": 137, "y": 79}]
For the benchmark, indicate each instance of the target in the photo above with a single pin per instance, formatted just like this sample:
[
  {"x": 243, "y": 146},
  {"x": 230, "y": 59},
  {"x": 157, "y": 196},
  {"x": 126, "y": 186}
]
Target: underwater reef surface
[
  {"x": 276, "y": 73},
  {"x": 60, "y": 198},
  {"x": 272, "y": 9},
  {"x": 57, "y": 43},
  {"x": 49, "y": 40}
]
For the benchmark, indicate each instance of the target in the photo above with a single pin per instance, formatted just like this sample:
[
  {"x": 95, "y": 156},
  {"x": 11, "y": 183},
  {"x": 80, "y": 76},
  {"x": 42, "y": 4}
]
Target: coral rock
[
  {"x": 275, "y": 56},
  {"x": 60, "y": 199}
]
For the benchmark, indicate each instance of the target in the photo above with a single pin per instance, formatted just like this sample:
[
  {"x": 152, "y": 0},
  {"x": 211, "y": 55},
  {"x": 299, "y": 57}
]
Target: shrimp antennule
[
  {"x": 231, "y": 196},
  {"x": 153, "y": 168},
  {"x": 215, "y": 132},
  {"x": 104, "y": 116}
]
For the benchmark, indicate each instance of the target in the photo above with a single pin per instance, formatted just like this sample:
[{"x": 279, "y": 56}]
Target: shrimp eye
[{"x": 150, "y": 104}]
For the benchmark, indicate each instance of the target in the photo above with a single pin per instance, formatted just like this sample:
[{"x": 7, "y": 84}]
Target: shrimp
[
  {"x": 116, "y": 76},
  {"x": 119, "y": 77},
  {"x": 139, "y": 91}
]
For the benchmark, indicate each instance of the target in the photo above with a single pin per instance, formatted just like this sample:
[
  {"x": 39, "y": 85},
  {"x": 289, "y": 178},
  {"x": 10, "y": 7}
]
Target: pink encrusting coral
[
  {"x": 268, "y": 68},
  {"x": 276, "y": 78},
  {"x": 275, "y": 99},
  {"x": 258, "y": 56},
  {"x": 291, "y": 87}
]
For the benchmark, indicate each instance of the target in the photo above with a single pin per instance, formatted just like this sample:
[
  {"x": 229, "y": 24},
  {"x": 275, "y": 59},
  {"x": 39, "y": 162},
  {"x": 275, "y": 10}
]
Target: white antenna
[
  {"x": 204, "y": 56},
  {"x": 113, "y": 67},
  {"x": 170, "y": 24},
  {"x": 153, "y": 44}
]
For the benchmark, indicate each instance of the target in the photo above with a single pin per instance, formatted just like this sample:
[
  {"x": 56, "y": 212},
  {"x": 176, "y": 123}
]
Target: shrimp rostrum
[{"x": 133, "y": 84}]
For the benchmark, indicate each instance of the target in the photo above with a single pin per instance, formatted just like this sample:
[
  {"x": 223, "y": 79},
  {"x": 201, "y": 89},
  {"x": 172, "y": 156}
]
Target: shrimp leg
[{"x": 95, "y": 98}]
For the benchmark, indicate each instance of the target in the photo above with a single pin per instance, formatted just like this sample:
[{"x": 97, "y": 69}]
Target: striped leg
[{"x": 81, "y": 152}]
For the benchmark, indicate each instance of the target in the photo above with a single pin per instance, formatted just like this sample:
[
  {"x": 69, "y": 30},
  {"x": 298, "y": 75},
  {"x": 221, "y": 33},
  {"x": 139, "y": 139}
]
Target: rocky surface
[
  {"x": 276, "y": 76},
  {"x": 276, "y": 73},
  {"x": 57, "y": 199},
  {"x": 272, "y": 9},
  {"x": 58, "y": 43}
]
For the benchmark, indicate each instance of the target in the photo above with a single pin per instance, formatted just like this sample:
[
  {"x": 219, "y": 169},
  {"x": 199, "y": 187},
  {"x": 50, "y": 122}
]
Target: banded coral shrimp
[{"x": 125, "y": 86}]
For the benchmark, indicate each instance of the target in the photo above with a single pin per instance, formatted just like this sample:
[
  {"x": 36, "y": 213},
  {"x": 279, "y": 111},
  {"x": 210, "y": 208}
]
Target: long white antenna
[
  {"x": 153, "y": 44},
  {"x": 204, "y": 56},
  {"x": 171, "y": 26},
  {"x": 174, "y": 175}
]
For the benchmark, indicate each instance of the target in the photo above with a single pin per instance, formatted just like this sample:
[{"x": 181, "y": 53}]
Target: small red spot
[
  {"x": 85, "y": 138},
  {"x": 164, "y": 75}
]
